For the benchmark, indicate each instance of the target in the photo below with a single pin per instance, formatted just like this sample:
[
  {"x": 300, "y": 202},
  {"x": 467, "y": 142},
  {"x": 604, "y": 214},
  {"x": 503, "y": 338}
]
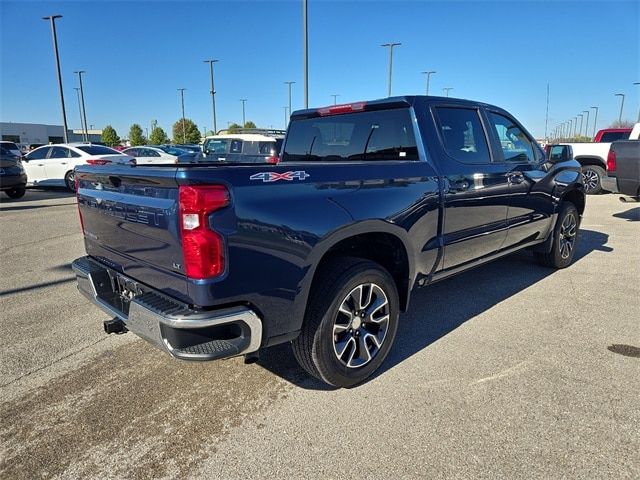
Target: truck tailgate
[{"x": 130, "y": 223}]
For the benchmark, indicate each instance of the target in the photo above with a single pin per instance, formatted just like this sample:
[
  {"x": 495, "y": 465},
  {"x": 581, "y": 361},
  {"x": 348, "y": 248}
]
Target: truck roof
[{"x": 386, "y": 103}]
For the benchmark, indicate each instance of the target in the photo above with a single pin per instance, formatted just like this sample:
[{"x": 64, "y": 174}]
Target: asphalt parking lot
[{"x": 508, "y": 371}]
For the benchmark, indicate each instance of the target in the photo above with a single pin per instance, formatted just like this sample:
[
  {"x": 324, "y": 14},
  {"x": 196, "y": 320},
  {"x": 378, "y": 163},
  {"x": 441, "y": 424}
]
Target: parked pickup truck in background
[
  {"x": 323, "y": 249},
  {"x": 623, "y": 167},
  {"x": 609, "y": 135},
  {"x": 593, "y": 158}
]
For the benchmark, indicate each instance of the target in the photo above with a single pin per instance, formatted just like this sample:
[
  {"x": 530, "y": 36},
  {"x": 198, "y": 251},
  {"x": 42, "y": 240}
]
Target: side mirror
[{"x": 560, "y": 153}]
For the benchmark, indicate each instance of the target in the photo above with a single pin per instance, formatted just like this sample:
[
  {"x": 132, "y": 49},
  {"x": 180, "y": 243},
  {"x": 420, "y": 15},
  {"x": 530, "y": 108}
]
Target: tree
[
  {"x": 158, "y": 136},
  {"x": 190, "y": 134},
  {"x": 622, "y": 124},
  {"x": 110, "y": 137},
  {"x": 250, "y": 124},
  {"x": 135, "y": 136},
  {"x": 234, "y": 128}
]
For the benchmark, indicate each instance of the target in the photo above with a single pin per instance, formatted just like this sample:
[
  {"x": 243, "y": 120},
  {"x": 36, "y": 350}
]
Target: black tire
[
  {"x": 70, "y": 180},
  {"x": 592, "y": 179},
  {"x": 558, "y": 257},
  {"x": 17, "y": 192},
  {"x": 316, "y": 348}
]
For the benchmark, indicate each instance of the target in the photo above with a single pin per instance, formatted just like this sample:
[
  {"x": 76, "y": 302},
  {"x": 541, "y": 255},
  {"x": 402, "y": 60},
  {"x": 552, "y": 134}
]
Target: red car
[{"x": 612, "y": 134}]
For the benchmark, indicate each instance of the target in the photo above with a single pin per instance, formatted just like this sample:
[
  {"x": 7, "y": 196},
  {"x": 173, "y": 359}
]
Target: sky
[{"x": 137, "y": 54}]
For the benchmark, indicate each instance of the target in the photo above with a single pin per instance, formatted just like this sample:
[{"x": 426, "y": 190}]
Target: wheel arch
[{"x": 588, "y": 160}]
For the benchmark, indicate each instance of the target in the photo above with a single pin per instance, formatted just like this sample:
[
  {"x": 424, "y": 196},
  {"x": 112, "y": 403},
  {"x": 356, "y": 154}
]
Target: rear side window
[
  {"x": 377, "y": 135},
  {"x": 236, "y": 146},
  {"x": 267, "y": 148},
  {"x": 613, "y": 136},
  {"x": 463, "y": 135},
  {"x": 98, "y": 150}
]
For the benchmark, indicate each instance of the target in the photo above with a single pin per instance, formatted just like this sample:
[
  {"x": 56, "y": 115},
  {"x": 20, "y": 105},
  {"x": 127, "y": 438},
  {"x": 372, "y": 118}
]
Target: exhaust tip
[{"x": 115, "y": 325}]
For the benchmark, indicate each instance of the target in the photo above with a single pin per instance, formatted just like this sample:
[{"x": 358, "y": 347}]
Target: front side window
[
  {"x": 516, "y": 146},
  {"x": 38, "y": 154},
  {"x": 463, "y": 136},
  {"x": 370, "y": 136}
]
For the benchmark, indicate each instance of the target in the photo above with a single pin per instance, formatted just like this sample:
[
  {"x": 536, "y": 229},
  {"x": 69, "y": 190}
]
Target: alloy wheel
[
  {"x": 568, "y": 231},
  {"x": 590, "y": 179},
  {"x": 361, "y": 325}
]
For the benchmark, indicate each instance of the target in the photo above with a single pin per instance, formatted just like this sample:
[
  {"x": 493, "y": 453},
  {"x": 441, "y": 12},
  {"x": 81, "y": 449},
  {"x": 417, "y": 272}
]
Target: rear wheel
[
  {"x": 350, "y": 324},
  {"x": 17, "y": 192},
  {"x": 592, "y": 179},
  {"x": 565, "y": 236},
  {"x": 70, "y": 180}
]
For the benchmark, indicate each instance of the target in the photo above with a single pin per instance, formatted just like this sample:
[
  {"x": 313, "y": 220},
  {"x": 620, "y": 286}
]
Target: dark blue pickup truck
[{"x": 369, "y": 200}]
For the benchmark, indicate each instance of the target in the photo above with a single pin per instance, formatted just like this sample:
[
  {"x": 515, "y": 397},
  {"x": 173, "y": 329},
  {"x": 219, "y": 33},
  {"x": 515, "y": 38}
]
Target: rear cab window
[
  {"x": 613, "y": 136},
  {"x": 216, "y": 145},
  {"x": 365, "y": 136}
]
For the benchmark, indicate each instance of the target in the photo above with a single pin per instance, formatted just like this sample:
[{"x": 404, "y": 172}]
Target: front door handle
[
  {"x": 63, "y": 163},
  {"x": 459, "y": 186},
  {"x": 515, "y": 178}
]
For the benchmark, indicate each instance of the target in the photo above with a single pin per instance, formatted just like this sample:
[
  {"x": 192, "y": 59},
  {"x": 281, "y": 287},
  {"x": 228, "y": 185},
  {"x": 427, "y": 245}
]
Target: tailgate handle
[{"x": 115, "y": 181}]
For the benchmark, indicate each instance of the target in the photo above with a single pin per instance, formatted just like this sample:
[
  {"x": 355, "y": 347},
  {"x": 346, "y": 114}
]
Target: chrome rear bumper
[{"x": 166, "y": 322}]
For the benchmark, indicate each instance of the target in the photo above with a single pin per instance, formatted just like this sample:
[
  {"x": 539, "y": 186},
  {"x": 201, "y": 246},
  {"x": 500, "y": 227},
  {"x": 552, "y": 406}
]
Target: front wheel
[
  {"x": 350, "y": 324},
  {"x": 565, "y": 236},
  {"x": 592, "y": 179}
]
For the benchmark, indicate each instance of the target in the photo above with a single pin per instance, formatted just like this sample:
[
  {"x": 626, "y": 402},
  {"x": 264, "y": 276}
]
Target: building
[{"x": 38, "y": 133}]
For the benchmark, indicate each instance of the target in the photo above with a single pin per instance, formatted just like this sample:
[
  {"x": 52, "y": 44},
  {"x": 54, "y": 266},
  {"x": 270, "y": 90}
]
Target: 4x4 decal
[{"x": 275, "y": 176}]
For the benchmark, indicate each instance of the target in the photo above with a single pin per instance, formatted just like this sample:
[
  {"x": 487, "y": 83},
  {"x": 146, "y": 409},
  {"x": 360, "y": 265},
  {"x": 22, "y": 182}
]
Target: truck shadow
[
  {"x": 632, "y": 215},
  {"x": 439, "y": 309}
]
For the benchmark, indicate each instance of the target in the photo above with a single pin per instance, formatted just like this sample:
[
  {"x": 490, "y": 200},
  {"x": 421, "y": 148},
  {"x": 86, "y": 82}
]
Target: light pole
[
  {"x": 52, "y": 18},
  {"x": 243, "y": 100},
  {"x": 184, "y": 130},
  {"x": 586, "y": 127},
  {"x": 289, "y": 84},
  {"x": 286, "y": 117},
  {"x": 335, "y": 96},
  {"x": 84, "y": 112},
  {"x": 595, "y": 121},
  {"x": 638, "y": 83},
  {"x": 621, "y": 105},
  {"x": 77, "y": 89},
  {"x": 390, "y": 45},
  {"x": 213, "y": 95},
  {"x": 446, "y": 91},
  {"x": 305, "y": 49},
  {"x": 581, "y": 120},
  {"x": 91, "y": 127},
  {"x": 428, "y": 74},
  {"x": 570, "y": 127}
]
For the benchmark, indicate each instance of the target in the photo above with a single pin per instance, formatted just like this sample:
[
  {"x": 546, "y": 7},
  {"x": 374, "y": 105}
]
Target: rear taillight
[
  {"x": 77, "y": 185},
  {"x": 274, "y": 159},
  {"x": 611, "y": 161},
  {"x": 346, "y": 108},
  {"x": 203, "y": 249},
  {"x": 97, "y": 161}
]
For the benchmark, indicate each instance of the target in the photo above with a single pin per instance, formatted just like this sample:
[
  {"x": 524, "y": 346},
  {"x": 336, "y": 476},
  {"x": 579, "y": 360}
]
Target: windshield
[
  {"x": 97, "y": 150},
  {"x": 216, "y": 145}
]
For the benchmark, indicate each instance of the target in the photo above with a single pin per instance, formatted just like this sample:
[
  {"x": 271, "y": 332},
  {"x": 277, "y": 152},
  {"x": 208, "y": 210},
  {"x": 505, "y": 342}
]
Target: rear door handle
[
  {"x": 63, "y": 163},
  {"x": 515, "y": 178}
]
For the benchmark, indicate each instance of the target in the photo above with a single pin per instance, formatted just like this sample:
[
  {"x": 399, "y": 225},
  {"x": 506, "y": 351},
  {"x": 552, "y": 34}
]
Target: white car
[
  {"x": 52, "y": 165},
  {"x": 160, "y": 154}
]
